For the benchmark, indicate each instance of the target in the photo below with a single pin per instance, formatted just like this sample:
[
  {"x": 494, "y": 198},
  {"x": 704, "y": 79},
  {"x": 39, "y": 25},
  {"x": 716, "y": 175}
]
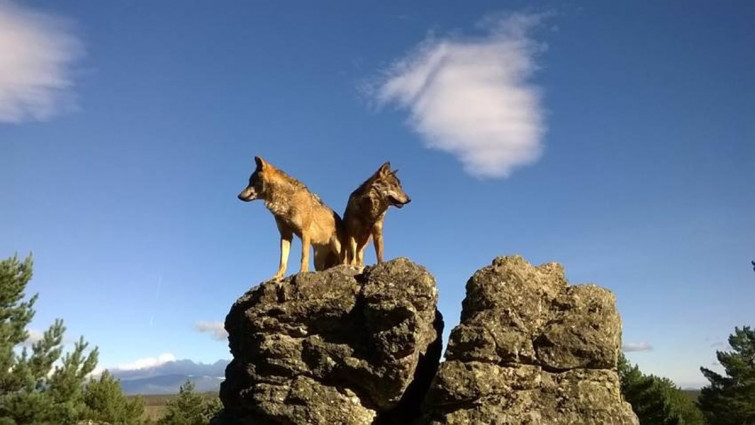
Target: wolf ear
[
  {"x": 261, "y": 164},
  {"x": 385, "y": 169}
]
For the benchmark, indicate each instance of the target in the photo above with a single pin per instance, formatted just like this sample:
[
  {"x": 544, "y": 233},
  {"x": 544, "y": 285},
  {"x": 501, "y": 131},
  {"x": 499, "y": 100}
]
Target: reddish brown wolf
[
  {"x": 299, "y": 212},
  {"x": 366, "y": 210}
]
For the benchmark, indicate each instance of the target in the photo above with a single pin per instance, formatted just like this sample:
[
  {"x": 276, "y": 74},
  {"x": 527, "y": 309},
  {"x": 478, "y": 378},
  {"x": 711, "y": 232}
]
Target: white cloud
[
  {"x": 473, "y": 97},
  {"x": 97, "y": 372},
  {"x": 216, "y": 329},
  {"x": 637, "y": 346},
  {"x": 147, "y": 362},
  {"x": 34, "y": 336},
  {"x": 38, "y": 50}
]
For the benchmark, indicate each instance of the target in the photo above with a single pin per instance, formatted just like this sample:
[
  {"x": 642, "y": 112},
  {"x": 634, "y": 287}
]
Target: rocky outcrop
[
  {"x": 342, "y": 347},
  {"x": 333, "y": 347},
  {"x": 530, "y": 349}
]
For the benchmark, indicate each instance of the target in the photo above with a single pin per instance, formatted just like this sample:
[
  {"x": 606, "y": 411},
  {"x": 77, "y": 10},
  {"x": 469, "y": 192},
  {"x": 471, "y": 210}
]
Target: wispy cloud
[
  {"x": 715, "y": 341},
  {"x": 38, "y": 50},
  {"x": 215, "y": 329},
  {"x": 474, "y": 97},
  {"x": 636, "y": 346}
]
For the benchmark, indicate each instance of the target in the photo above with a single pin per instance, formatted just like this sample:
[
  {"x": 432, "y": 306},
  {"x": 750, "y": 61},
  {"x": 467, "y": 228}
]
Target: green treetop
[
  {"x": 37, "y": 385},
  {"x": 730, "y": 398}
]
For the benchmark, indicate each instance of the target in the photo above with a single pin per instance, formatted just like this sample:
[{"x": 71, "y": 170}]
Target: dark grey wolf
[{"x": 365, "y": 213}]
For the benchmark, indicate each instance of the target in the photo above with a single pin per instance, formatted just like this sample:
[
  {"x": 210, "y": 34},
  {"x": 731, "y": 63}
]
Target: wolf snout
[
  {"x": 400, "y": 203},
  {"x": 248, "y": 194},
  {"x": 245, "y": 196}
]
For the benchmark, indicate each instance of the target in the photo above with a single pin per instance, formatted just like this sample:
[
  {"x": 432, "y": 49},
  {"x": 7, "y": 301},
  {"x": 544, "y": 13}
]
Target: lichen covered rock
[
  {"x": 530, "y": 349},
  {"x": 333, "y": 347}
]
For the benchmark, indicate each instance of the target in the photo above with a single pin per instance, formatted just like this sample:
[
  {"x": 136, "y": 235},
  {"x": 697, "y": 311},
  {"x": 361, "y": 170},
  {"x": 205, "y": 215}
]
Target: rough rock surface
[
  {"x": 530, "y": 349},
  {"x": 333, "y": 347}
]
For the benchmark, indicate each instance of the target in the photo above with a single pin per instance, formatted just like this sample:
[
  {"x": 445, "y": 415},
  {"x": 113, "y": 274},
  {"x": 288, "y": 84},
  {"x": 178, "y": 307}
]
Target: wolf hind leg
[
  {"x": 305, "y": 247},
  {"x": 337, "y": 253}
]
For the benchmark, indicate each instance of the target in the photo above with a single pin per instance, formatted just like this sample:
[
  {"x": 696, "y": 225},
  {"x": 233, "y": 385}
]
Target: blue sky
[{"x": 616, "y": 139}]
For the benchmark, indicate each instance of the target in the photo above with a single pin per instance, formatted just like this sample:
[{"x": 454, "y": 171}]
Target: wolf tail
[
  {"x": 332, "y": 260},
  {"x": 337, "y": 254}
]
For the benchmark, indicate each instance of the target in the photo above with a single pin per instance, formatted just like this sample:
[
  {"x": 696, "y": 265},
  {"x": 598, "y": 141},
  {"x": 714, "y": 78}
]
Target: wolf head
[
  {"x": 389, "y": 186},
  {"x": 257, "y": 183}
]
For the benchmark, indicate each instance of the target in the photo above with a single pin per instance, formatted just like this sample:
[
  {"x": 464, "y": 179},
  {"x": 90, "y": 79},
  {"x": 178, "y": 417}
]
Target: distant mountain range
[{"x": 168, "y": 377}]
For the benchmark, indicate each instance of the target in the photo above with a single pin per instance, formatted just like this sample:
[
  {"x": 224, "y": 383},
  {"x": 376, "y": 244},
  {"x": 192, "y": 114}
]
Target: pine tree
[
  {"x": 683, "y": 405},
  {"x": 189, "y": 408},
  {"x": 730, "y": 399},
  {"x": 643, "y": 393},
  {"x": 106, "y": 403},
  {"x": 37, "y": 385},
  {"x": 655, "y": 400}
]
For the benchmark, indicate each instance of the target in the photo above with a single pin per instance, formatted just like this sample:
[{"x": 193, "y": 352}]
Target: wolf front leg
[
  {"x": 286, "y": 236},
  {"x": 285, "y": 248},
  {"x": 361, "y": 246},
  {"x": 377, "y": 240},
  {"x": 351, "y": 251}
]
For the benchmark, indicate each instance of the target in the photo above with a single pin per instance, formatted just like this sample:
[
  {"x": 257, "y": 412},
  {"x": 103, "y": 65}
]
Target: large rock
[
  {"x": 530, "y": 349},
  {"x": 333, "y": 347}
]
